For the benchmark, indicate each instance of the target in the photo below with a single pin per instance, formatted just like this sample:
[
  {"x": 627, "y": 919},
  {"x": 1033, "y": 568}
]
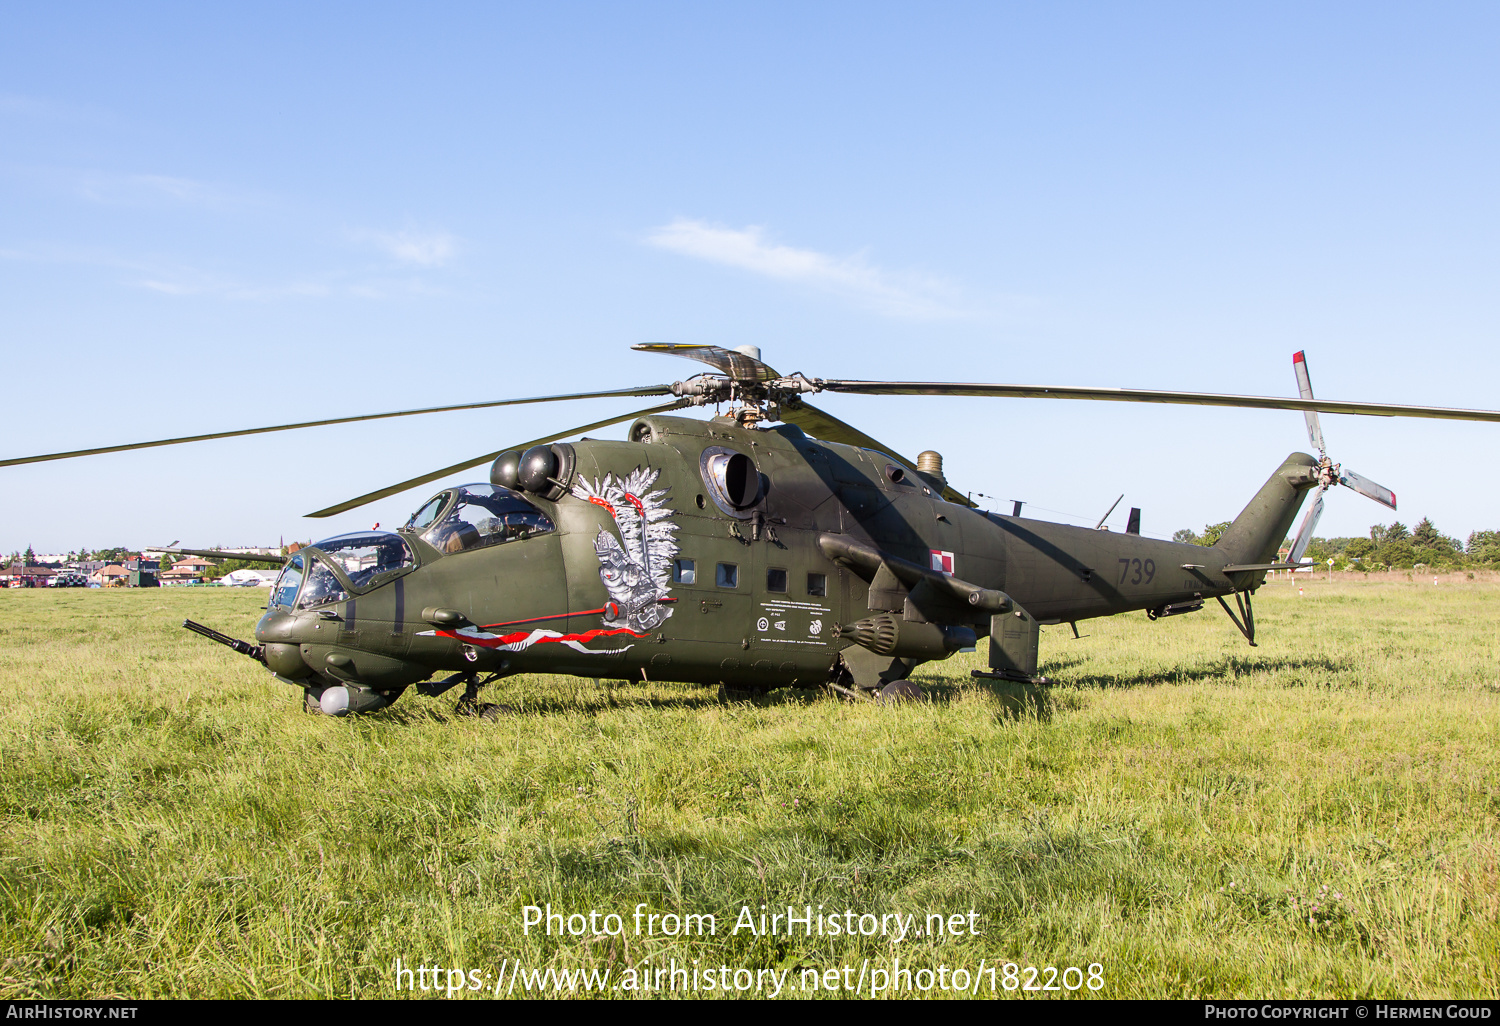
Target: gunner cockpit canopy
[{"x": 366, "y": 559}]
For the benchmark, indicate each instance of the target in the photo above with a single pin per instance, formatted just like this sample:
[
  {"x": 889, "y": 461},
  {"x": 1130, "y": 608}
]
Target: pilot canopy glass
[
  {"x": 481, "y": 515},
  {"x": 366, "y": 557},
  {"x": 322, "y": 587},
  {"x": 284, "y": 591}
]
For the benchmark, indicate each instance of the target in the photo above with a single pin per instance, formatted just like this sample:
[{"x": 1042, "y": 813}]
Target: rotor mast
[{"x": 755, "y": 390}]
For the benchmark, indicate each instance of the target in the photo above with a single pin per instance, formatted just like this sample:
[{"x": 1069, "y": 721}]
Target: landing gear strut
[
  {"x": 1246, "y": 620},
  {"x": 469, "y": 703}
]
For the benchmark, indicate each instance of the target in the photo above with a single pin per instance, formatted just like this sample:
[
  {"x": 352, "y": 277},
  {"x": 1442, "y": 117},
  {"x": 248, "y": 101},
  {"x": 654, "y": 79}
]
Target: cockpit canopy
[
  {"x": 366, "y": 559},
  {"x": 365, "y": 556},
  {"x": 475, "y": 516}
]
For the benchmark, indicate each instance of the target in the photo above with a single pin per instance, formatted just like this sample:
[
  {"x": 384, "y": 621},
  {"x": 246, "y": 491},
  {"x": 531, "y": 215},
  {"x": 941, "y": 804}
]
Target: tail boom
[{"x": 1257, "y": 533}]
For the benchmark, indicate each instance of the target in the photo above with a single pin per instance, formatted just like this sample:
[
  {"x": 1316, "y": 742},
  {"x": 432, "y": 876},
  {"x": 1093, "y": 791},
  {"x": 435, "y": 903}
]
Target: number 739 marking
[{"x": 1147, "y": 568}]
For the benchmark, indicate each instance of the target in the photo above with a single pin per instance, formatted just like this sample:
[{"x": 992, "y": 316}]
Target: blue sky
[{"x": 213, "y": 219}]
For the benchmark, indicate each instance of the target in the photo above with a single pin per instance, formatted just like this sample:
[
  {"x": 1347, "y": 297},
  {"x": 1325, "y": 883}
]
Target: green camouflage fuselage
[{"x": 755, "y": 596}]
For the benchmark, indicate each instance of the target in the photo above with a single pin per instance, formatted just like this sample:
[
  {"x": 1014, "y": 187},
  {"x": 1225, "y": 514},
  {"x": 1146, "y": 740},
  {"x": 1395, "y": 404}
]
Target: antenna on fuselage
[{"x": 1100, "y": 525}]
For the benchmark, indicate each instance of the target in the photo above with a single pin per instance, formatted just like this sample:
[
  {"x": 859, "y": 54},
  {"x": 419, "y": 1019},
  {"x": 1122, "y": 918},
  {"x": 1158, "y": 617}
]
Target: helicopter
[{"x": 770, "y": 546}]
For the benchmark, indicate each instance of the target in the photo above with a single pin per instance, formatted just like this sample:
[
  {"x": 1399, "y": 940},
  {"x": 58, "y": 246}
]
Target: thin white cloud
[
  {"x": 183, "y": 189},
  {"x": 901, "y": 295},
  {"x": 424, "y": 249},
  {"x": 142, "y": 190},
  {"x": 191, "y": 284},
  {"x": 137, "y": 190},
  {"x": 171, "y": 288},
  {"x": 15, "y": 103},
  {"x": 176, "y": 279}
]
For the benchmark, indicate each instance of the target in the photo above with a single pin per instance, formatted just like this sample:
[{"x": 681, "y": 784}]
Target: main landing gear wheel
[
  {"x": 900, "y": 691},
  {"x": 728, "y": 694}
]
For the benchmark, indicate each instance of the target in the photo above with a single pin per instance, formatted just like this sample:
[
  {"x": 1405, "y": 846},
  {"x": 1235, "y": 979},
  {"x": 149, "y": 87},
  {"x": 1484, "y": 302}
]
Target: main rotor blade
[
  {"x": 726, "y": 361},
  {"x": 218, "y": 554},
  {"x": 1367, "y": 488},
  {"x": 617, "y": 393},
  {"x": 1134, "y": 395},
  {"x": 466, "y": 464},
  {"x": 1304, "y": 534},
  {"x": 824, "y": 425},
  {"x": 1304, "y": 389}
]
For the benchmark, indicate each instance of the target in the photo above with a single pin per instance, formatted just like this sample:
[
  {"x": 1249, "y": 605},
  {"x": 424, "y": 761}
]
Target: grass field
[{"x": 1319, "y": 816}]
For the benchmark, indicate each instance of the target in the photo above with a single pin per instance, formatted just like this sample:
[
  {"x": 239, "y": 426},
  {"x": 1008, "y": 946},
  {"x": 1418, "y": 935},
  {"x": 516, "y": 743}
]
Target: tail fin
[{"x": 1261, "y": 527}]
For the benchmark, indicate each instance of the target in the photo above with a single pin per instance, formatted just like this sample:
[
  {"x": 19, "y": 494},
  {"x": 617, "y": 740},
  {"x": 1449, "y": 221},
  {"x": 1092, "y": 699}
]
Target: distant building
[
  {"x": 27, "y": 576},
  {"x": 108, "y": 574},
  {"x": 186, "y": 571}
]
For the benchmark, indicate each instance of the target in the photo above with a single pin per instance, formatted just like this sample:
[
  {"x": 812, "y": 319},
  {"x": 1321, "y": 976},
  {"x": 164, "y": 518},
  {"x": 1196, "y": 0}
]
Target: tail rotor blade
[
  {"x": 1304, "y": 389},
  {"x": 1305, "y": 533},
  {"x": 1367, "y": 488}
]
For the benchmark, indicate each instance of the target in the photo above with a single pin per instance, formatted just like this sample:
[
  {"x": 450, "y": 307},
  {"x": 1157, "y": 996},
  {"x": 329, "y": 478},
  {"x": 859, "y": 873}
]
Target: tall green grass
[{"x": 1318, "y": 816}]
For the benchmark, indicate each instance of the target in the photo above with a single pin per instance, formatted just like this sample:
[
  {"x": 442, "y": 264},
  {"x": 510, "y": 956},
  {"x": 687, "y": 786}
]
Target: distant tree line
[
  {"x": 1387, "y": 546},
  {"x": 115, "y": 555},
  {"x": 120, "y": 554}
]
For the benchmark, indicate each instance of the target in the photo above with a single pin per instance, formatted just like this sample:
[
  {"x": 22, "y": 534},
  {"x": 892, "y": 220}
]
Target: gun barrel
[{"x": 256, "y": 652}]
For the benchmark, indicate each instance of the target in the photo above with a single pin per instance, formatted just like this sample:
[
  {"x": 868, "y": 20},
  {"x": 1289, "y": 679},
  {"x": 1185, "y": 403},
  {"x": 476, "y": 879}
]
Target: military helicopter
[{"x": 772, "y": 545}]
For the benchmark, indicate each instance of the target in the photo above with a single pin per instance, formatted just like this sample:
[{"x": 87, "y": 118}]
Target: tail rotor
[{"x": 1329, "y": 472}]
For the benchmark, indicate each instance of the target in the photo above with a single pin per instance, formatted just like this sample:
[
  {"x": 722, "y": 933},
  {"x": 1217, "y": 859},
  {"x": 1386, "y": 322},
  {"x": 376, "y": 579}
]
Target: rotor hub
[{"x": 1328, "y": 473}]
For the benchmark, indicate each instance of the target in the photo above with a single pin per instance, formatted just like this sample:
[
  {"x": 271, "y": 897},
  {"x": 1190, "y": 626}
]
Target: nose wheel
[
  {"x": 469, "y": 703},
  {"x": 484, "y": 710}
]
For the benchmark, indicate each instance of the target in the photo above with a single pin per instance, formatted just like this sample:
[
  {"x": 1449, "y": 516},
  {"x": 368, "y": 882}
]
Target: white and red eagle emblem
[{"x": 636, "y": 567}]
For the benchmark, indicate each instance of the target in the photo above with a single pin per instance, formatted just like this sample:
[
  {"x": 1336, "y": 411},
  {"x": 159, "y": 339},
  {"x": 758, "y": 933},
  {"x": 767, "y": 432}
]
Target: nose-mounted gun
[{"x": 256, "y": 652}]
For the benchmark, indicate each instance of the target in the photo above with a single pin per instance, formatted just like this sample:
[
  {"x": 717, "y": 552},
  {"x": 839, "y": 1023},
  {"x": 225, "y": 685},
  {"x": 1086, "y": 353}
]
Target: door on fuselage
[{"x": 708, "y": 634}]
